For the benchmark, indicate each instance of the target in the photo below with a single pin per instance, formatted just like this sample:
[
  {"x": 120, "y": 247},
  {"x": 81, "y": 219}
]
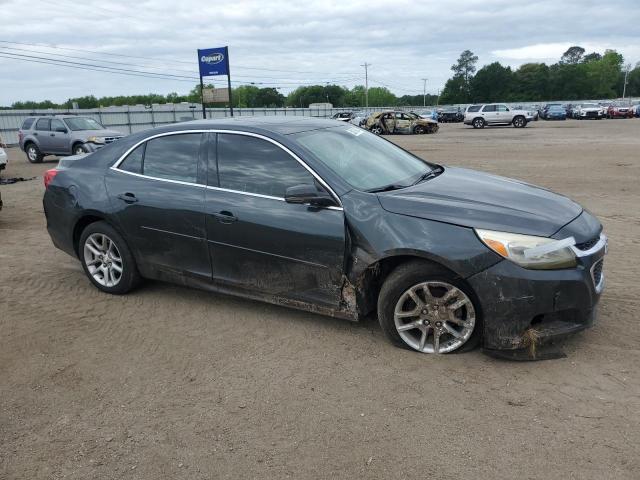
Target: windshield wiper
[
  {"x": 430, "y": 174},
  {"x": 387, "y": 188}
]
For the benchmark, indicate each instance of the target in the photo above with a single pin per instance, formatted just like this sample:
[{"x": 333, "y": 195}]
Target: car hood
[{"x": 480, "y": 200}]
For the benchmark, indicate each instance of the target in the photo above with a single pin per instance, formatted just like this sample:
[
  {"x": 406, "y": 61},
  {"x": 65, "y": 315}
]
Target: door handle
[
  {"x": 225, "y": 217},
  {"x": 52, "y": 134},
  {"x": 128, "y": 197}
]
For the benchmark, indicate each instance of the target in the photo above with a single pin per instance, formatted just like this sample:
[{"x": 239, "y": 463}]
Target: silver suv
[
  {"x": 496, "y": 114},
  {"x": 63, "y": 135}
]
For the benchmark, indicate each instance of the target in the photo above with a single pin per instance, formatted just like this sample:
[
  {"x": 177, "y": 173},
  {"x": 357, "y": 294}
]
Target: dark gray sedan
[{"x": 326, "y": 217}]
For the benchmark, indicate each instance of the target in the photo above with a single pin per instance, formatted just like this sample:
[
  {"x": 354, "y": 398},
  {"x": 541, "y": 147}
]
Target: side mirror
[
  {"x": 308, "y": 194},
  {"x": 62, "y": 130}
]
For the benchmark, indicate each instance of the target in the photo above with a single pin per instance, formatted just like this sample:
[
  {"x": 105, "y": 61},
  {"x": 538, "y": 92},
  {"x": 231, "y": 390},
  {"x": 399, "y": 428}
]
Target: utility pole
[
  {"x": 626, "y": 74},
  {"x": 366, "y": 83},
  {"x": 424, "y": 92}
]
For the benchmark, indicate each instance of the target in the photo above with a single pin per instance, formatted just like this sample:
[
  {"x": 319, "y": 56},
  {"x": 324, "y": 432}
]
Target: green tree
[
  {"x": 531, "y": 82},
  {"x": 492, "y": 83},
  {"x": 573, "y": 55},
  {"x": 465, "y": 67},
  {"x": 454, "y": 91}
]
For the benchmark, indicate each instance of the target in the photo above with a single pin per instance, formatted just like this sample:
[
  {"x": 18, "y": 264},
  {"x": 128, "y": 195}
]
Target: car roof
[{"x": 282, "y": 125}]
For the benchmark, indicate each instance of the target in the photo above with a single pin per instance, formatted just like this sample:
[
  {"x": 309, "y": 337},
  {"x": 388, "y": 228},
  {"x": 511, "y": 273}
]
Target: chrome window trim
[{"x": 232, "y": 132}]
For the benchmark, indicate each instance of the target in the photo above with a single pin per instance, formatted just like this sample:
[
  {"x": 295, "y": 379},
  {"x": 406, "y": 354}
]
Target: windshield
[
  {"x": 83, "y": 123},
  {"x": 364, "y": 160},
  {"x": 556, "y": 108}
]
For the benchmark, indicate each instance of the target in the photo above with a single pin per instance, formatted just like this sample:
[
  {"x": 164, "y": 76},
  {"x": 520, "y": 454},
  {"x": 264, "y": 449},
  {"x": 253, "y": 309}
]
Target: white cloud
[{"x": 404, "y": 40}]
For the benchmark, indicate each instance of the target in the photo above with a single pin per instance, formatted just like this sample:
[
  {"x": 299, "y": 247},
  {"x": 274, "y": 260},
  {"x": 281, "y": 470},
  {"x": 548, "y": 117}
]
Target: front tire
[
  {"x": 519, "y": 122},
  {"x": 34, "y": 155},
  {"x": 423, "y": 307},
  {"x": 478, "y": 123},
  {"x": 79, "y": 149},
  {"x": 419, "y": 130},
  {"x": 107, "y": 260},
  {"x": 377, "y": 130}
]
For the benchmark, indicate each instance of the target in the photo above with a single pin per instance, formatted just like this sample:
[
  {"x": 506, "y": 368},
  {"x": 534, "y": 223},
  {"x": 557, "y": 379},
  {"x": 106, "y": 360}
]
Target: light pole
[
  {"x": 366, "y": 83},
  {"x": 626, "y": 74},
  {"x": 424, "y": 92}
]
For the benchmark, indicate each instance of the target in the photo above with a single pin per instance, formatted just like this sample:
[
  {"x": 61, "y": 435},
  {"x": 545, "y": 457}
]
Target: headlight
[
  {"x": 95, "y": 139},
  {"x": 539, "y": 253}
]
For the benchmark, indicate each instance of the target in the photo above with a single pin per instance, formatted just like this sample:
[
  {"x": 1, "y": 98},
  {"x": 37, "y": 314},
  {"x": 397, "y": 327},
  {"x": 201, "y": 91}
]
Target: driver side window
[{"x": 253, "y": 165}]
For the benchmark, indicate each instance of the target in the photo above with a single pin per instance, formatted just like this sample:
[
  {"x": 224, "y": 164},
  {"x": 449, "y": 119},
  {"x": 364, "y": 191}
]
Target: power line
[{"x": 164, "y": 62}]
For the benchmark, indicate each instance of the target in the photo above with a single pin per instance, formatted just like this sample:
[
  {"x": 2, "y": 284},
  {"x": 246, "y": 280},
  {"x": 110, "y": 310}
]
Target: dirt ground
[{"x": 169, "y": 382}]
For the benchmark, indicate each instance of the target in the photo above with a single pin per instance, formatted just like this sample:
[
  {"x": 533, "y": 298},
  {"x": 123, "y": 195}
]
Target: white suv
[{"x": 496, "y": 114}]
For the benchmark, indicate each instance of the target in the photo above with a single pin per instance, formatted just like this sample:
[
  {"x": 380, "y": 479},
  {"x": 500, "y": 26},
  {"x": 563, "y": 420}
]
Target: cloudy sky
[{"x": 288, "y": 43}]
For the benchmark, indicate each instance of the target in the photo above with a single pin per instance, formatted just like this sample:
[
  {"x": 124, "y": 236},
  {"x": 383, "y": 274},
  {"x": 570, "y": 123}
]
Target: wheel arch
[
  {"x": 86, "y": 219},
  {"x": 368, "y": 282}
]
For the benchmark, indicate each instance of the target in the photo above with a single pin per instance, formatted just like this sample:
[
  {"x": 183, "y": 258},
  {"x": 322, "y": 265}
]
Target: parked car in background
[
  {"x": 450, "y": 115},
  {"x": 4, "y": 158},
  {"x": 343, "y": 116},
  {"x": 390, "y": 122},
  {"x": 637, "y": 111},
  {"x": 546, "y": 107},
  {"x": 63, "y": 135},
  {"x": 532, "y": 112},
  {"x": 556, "y": 112},
  {"x": 587, "y": 110},
  {"x": 350, "y": 225},
  {"x": 619, "y": 111},
  {"x": 497, "y": 114},
  {"x": 359, "y": 118},
  {"x": 432, "y": 114}
]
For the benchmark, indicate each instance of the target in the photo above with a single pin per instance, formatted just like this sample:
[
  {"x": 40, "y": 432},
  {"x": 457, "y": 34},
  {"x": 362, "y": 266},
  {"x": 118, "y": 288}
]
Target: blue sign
[{"x": 213, "y": 61}]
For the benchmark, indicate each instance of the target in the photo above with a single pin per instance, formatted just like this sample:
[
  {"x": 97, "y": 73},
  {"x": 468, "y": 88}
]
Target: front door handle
[
  {"x": 128, "y": 197},
  {"x": 52, "y": 134},
  {"x": 225, "y": 217}
]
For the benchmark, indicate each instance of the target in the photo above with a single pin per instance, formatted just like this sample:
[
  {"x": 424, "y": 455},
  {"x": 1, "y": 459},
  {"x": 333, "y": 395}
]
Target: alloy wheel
[
  {"x": 434, "y": 317},
  {"x": 32, "y": 153},
  {"x": 103, "y": 259}
]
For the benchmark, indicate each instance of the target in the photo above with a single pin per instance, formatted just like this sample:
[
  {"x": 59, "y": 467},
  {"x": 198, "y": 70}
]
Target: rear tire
[
  {"x": 419, "y": 130},
  {"x": 34, "y": 155},
  {"x": 478, "y": 123},
  {"x": 377, "y": 130},
  {"x": 434, "y": 313},
  {"x": 102, "y": 252}
]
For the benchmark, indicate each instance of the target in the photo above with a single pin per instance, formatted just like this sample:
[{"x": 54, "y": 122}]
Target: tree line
[{"x": 577, "y": 75}]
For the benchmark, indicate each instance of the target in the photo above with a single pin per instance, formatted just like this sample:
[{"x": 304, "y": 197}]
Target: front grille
[
  {"x": 111, "y": 139},
  {"x": 596, "y": 274},
  {"x": 588, "y": 244}
]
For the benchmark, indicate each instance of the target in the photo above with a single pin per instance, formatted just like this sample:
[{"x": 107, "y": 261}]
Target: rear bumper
[{"x": 524, "y": 309}]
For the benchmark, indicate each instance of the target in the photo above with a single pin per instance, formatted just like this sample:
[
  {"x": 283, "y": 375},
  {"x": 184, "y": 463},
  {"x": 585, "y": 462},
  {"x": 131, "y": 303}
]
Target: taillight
[{"x": 49, "y": 175}]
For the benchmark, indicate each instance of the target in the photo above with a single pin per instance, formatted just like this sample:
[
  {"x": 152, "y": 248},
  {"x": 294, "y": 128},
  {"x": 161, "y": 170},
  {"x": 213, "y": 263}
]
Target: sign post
[{"x": 213, "y": 62}]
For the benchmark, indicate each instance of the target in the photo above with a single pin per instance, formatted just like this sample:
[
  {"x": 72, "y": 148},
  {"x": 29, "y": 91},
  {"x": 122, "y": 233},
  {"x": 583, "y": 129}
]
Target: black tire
[
  {"x": 478, "y": 122},
  {"x": 130, "y": 277},
  {"x": 377, "y": 130},
  {"x": 79, "y": 149},
  {"x": 408, "y": 275},
  {"x": 34, "y": 155},
  {"x": 519, "y": 121},
  {"x": 419, "y": 130}
]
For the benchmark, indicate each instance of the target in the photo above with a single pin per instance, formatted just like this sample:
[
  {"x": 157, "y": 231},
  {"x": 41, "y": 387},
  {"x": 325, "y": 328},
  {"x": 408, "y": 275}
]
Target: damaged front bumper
[{"x": 526, "y": 311}]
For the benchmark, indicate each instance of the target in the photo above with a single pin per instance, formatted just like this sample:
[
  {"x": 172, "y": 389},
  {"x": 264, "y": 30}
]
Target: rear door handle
[
  {"x": 128, "y": 197},
  {"x": 225, "y": 217},
  {"x": 52, "y": 134}
]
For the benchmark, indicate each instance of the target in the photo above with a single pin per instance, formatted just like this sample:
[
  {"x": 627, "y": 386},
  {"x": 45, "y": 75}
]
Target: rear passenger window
[
  {"x": 133, "y": 162},
  {"x": 43, "y": 124},
  {"x": 26, "y": 125},
  {"x": 253, "y": 165},
  {"x": 174, "y": 157},
  {"x": 474, "y": 108},
  {"x": 489, "y": 108}
]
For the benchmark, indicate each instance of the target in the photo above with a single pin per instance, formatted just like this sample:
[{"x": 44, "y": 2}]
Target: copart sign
[{"x": 213, "y": 61}]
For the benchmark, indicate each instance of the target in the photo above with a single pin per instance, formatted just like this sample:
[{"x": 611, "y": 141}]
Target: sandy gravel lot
[{"x": 172, "y": 383}]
